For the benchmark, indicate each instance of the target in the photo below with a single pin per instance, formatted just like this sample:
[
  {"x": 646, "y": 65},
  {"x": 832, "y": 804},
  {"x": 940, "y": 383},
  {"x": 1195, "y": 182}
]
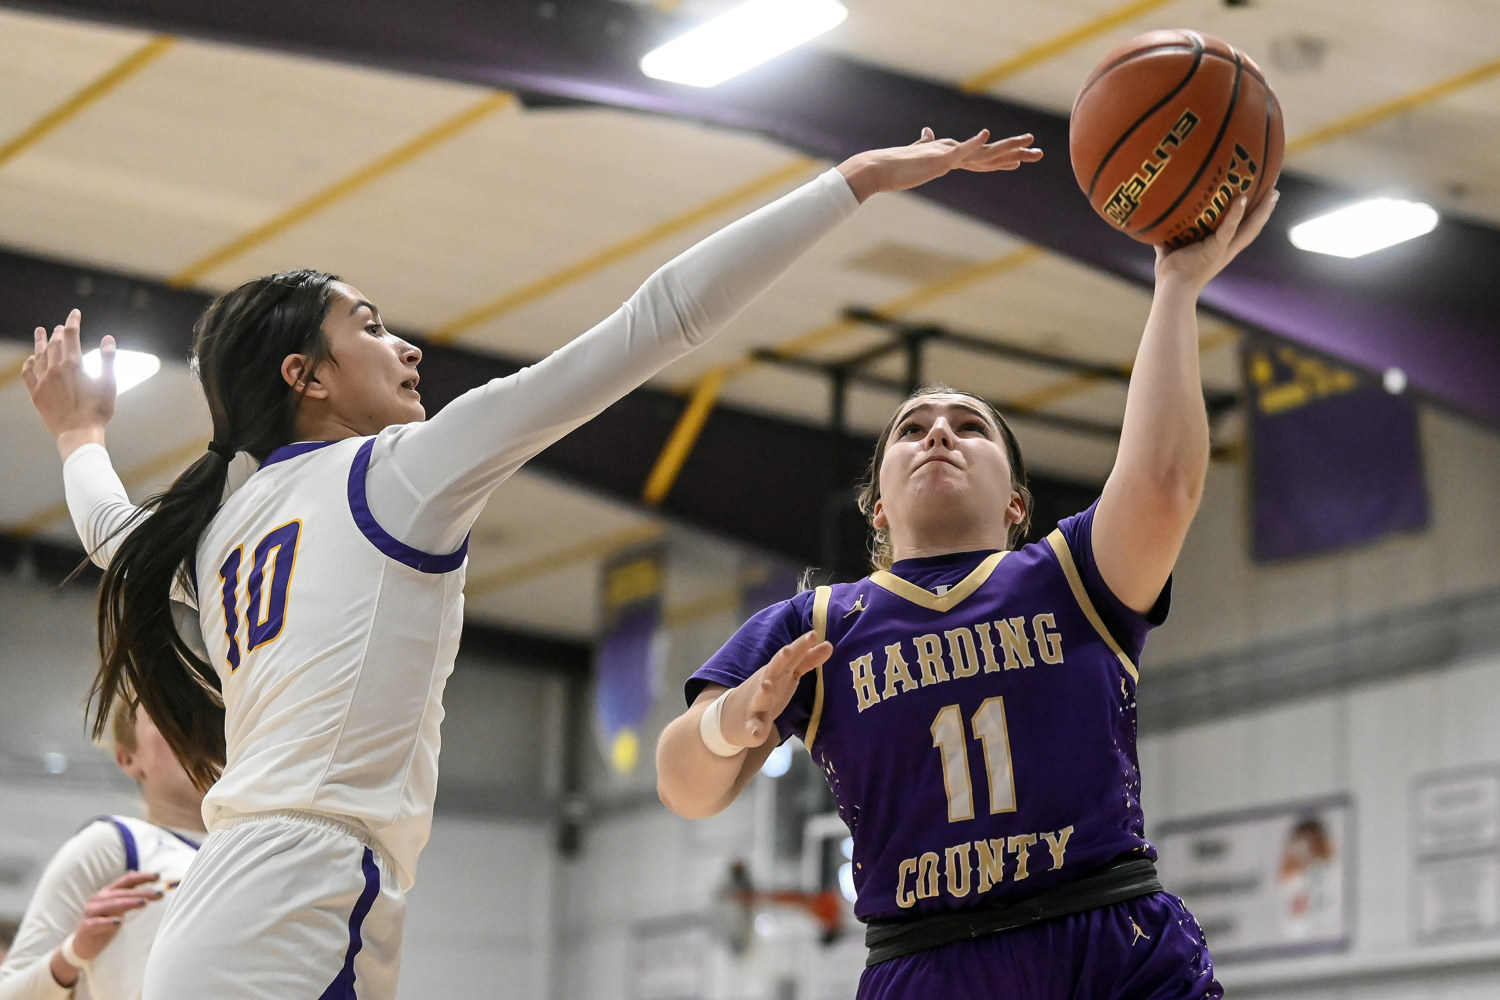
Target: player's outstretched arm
[
  {"x": 76, "y": 408},
  {"x": 1153, "y": 491},
  {"x": 427, "y": 482},
  {"x": 695, "y": 781}
]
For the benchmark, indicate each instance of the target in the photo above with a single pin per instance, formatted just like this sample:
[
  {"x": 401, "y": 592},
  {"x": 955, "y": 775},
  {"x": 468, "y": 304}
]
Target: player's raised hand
[
  {"x": 1198, "y": 263},
  {"x": 74, "y": 406},
  {"x": 749, "y": 714},
  {"x": 902, "y": 167},
  {"x": 105, "y": 910}
]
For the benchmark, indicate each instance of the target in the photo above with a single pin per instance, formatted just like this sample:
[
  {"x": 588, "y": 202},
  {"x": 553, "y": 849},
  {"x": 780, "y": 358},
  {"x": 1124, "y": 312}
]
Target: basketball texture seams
[{"x": 1168, "y": 130}]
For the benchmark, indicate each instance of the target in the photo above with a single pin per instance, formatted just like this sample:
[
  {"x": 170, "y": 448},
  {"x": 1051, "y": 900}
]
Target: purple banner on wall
[
  {"x": 628, "y": 658},
  {"x": 1335, "y": 459}
]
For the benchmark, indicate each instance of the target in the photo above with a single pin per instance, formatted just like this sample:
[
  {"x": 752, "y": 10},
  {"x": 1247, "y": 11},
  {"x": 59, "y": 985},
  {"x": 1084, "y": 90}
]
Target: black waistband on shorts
[{"x": 1114, "y": 883}]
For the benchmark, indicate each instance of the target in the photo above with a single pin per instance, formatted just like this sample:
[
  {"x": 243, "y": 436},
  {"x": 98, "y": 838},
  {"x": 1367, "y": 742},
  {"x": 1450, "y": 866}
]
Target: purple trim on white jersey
[
  {"x": 359, "y": 506},
  {"x": 342, "y": 987},
  {"x": 292, "y": 450},
  {"x": 132, "y": 855}
]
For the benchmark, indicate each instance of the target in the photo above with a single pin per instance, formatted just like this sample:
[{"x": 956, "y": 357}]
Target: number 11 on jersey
[{"x": 994, "y": 739}]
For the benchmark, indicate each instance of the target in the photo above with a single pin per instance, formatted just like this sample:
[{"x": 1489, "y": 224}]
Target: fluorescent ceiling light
[
  {"x": 131, "y": 368},
  {"x": 746, "y": 36},
  {"x": 1365, "y": 227}
]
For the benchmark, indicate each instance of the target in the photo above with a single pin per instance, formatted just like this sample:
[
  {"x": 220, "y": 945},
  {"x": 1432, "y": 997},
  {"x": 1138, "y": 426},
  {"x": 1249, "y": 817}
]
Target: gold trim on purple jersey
[
  {"x": 939, "y": 602},
  {"x": 1075, "y": 583},
  {"x": 820, "y": 625}
]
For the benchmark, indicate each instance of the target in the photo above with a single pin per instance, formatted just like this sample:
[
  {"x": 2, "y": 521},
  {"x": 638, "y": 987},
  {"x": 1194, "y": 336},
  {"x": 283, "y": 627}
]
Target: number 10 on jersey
[
  {"x": 948, "y": 737},
  {"x": 274, "y": 556}
]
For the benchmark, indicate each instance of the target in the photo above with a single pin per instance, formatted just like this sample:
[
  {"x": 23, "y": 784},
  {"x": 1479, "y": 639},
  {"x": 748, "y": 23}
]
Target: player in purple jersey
[{"x": 973, "y": 705}]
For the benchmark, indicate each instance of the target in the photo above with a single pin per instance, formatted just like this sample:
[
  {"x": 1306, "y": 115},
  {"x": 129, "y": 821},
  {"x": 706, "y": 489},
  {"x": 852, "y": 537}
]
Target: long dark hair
[
  {"x": 869, "y": 491},
  {"x": 239, "y": 345}
]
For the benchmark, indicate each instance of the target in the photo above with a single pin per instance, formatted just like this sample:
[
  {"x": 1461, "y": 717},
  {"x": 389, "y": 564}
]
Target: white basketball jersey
[
  {"x": 117, "y": 972},
  {"x": 332, "y": 641}
]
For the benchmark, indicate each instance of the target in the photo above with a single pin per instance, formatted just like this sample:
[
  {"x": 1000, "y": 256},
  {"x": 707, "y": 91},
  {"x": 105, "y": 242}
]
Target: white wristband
[
  {"x": 712, "y": 730},
  {"x": 72, "y": 957}
]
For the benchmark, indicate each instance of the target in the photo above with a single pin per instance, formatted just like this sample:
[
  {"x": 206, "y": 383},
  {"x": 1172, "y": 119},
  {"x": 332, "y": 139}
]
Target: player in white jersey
[
  {"x": 99, "y": 903},
  {"x": 329, "y": 586}
]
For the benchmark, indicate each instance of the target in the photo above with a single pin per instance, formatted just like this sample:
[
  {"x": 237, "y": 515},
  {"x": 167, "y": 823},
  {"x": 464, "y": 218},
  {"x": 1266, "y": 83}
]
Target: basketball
[{"x": 1168, "y": 130}]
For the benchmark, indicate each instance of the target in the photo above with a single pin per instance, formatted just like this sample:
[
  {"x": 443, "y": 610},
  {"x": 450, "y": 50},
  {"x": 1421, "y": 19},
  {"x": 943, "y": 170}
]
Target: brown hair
[
  {"x": 122, "y": 724},
  {"x": 881, "y": 555}
]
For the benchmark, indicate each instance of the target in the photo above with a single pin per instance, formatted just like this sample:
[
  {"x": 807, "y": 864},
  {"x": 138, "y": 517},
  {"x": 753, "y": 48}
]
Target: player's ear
[
  {"x": 297, "y": 372},
  {"x": 878, "y": 520},
  {"x": 126, "y": 760},
  {"x": 1015, "y": 511}
]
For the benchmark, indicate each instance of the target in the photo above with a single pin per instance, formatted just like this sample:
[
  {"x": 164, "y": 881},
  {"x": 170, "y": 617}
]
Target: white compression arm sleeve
[{"x": 428, "y": 481}]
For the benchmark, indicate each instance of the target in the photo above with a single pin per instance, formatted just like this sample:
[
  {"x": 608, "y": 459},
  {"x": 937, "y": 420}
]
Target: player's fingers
[
  {"x": 107, "y": 362},
  {"x": 1250, "y": 228},
  {"x": 28, "y": 373},
  {"x": 39, "y": 348},
  {"x": 814, "y": 658},
  {"x": 927, "y": 136},
  {"x": 130, "y": 879},
  {"x": 963, "y": 150}
]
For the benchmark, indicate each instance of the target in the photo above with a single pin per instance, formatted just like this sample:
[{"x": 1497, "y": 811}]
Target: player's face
[
  {"x": 945, "y": 465},
  {"x": 373, "y": 383},
  {"x": 152, "y": 763}
]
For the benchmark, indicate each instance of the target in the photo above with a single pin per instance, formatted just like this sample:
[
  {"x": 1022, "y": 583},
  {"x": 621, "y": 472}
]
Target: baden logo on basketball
[{"x": 1127, "y": 197}]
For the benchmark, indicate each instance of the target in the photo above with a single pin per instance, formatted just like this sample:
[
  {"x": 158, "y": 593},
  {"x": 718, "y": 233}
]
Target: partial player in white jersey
[
  {"x": 329, "y": 586},
  {"x": 100, "y": 900}
]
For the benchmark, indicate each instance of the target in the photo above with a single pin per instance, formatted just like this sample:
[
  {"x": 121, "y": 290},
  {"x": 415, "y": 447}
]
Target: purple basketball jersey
[{"x": 976, "y": 721}]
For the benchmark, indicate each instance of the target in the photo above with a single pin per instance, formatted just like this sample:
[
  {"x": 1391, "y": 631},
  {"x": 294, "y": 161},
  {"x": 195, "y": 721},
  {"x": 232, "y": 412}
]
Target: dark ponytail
[{"x": 240, "y": 343}]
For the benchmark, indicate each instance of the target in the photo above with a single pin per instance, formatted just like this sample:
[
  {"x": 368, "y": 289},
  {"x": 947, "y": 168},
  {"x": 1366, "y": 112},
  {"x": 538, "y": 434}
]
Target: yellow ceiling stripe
[
  {"x": 152, "y": 468},
  {"x": 1400, "y": 105},
  {"x": 684, "y": 436},
  {"x": 705, "y": 389},
  {"x": 73, "y": 106},
  {"x": 591, "y": 548},
  {"x": 346, "y": 186},
  {"x": 1060, "y": 44},
  {"x": 896, "y": 307},
  {"x": 625, "y": 248}
]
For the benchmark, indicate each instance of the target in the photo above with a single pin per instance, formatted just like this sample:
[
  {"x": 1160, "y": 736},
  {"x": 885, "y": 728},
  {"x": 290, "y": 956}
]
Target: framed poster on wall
[
  {"x": 1455, "y": 836},
  {"x": 1265, "y": 883}
]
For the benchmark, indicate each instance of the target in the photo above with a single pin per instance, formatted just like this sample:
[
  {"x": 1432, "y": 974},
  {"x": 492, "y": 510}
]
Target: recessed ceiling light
[
  {"x": 131, "y": 368},
  {"x": 1365, "y": 227},
  {"x": 744, "y": 37}
]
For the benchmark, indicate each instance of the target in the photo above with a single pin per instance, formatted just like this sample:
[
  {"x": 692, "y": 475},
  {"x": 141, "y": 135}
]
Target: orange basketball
[{"x": 1168, "y": 129}]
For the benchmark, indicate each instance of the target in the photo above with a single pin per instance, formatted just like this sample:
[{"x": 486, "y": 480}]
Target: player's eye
[
  {"x": 909, "y": 428},
  {"x": 975, "y": 425},
  {"x": 374, "y": 329}
]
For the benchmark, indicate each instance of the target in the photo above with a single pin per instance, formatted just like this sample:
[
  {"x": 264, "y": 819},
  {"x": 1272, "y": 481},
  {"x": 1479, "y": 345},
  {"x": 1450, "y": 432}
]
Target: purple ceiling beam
[{"x": 1428, "y": 307}]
